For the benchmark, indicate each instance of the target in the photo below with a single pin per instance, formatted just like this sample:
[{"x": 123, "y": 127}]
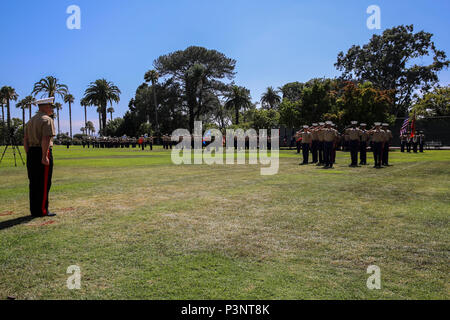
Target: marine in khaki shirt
[
  {"x": 38, "y": 141},
  {"x": 329, "y": 134},
  {"x": 353, "y": 134},
  {"x": 41, "y": 125}
]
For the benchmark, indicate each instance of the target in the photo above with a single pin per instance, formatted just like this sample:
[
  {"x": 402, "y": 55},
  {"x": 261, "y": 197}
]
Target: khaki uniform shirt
[
  {"x": 353, "y": 133},
  {"x": 320, "y": 134},
  {"x": 387, "y": 135},
  {"x": 41, "y": 125},
  {"x": 306, "y": 137},
  {"x": 364, "y": 136},
  {"x": 329, "y": 135},
  {"x": 315, "y": 135},
  {"x": 378, "y": 135}
]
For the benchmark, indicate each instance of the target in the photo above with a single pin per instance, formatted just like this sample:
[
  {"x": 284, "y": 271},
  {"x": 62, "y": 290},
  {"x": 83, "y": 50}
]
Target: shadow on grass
[{"x": 14, "y": 222}]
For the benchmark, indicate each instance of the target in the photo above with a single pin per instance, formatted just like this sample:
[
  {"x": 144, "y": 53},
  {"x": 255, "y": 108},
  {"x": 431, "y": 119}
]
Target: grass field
[{"x": 142, "y": 228}]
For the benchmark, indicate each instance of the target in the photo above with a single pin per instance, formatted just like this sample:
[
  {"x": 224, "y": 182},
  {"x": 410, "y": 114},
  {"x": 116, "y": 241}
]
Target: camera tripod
[{"x": 11, "y": 142}]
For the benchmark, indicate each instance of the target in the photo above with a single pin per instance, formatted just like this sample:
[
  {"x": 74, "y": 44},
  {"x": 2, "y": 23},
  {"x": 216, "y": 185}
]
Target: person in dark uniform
[
  {"x": 315, "y": 144},
  {"x": 354, "y": 138},
  {"x": 421, "y": 141},
  {"x": 320, "y": 146},
  {"x": 38, "y": 143},
  {"x": 329, "y": 139},
  {"x": 408, "y": 142},
  {"x": 378, "y": 137},
  {"x": 387, "y": 144},
  {"x": 306, "y": 144},
  {"x": 402, "y": 142},
  {"x": 415, "y": 142},
  {"x": 363, "y": 144}
]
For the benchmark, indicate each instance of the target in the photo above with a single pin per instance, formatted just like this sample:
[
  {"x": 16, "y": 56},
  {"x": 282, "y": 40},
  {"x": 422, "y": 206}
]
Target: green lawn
[{"x": 140, "y": 227}]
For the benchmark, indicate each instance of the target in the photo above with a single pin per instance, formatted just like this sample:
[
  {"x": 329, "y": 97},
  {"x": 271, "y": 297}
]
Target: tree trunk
[
  {"x": 156, "y": 108},
  {"x": 3, "y": 113},
  {"x": 111, "y": 115},
  {"x": 57, "y": 115},
  {"x": 29, "y": 108},
  {"x": 103, "y": 118},
  {"x": 237, "y": 115},
  {"x": 85, "y": 117},
  {"x": 99, "y": 122},
  {"x": 70, "y": 119},
  {"x": 8, "y": 116},
  {"x": 23, "y": 119}
]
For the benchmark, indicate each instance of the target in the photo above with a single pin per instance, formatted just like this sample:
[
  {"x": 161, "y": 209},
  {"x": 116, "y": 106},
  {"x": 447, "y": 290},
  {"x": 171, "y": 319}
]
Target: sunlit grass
[{"x": 141, "y": 227}]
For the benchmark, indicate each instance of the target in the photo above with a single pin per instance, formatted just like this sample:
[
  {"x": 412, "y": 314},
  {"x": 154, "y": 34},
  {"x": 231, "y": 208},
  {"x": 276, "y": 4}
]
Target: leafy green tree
[
  {"x": 99, "y": 93},
  {"x": 391, "y": 62},
  {"x": 112, "y": 127},
  {"x": 433, "y": 104},
  {"x": 266, "y": 119},
  {"x": 69, "y": 98},
  {"x": 198, "y": 72},
  {"x": 270, "y": 98},
  {"x": 361, "y": 102},
  {"x": 238, "y": 99},
  {"x": 290, "y": 113}
]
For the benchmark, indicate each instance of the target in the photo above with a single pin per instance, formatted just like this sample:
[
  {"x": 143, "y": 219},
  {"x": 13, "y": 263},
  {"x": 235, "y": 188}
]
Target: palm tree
[
  {"x": 111, "y": 111},
  {"x": 152, "y": 76},
  {"x": 2, "y": 103},
  {"x": 51, "y": 87},
  {"x": 68, "y": 98},
  {"x": 84, "y": 104},
  {"x": 271, "y": 98},
  {"x": 99, "y": 93},
  {"x": 99, "y": 111},
  {"x": 82, "y": 129},
  {"x": 58, "y": 106},
  {"x": 30, "y": 100},
  {"x": 239, "y": 98},
  {"x": 90, "y": 127},
  {"x": 7, "y": 93},
  {"x": 22, "y": 104}
]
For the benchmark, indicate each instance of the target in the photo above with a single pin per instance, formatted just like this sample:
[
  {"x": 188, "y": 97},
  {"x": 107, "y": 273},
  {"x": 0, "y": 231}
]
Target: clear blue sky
[{"x": 274, "y": 42}]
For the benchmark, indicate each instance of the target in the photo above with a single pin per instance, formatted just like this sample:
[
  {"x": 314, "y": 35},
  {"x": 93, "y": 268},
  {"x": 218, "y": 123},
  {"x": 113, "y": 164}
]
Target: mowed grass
[{"x": 140, "y": 227}]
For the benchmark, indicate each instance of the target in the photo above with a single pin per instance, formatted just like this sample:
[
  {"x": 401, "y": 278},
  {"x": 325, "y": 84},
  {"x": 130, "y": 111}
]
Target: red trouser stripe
[{"x": 44, "y": 201}]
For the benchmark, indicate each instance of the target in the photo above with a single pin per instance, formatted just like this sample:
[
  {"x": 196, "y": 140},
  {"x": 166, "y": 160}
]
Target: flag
[
  {"x": 413, "y": 126},
  {"x": 404, "y": 128}
]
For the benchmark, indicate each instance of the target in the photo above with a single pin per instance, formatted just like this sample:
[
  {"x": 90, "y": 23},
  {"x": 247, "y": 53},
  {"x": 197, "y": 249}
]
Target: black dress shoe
[{"x": 50, "y": 214}]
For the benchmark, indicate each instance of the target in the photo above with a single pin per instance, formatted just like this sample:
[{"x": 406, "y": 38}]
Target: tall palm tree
[
  {"x": 111, "y": 111},
  {"x": 99, "y": 93},
  {"x": 51, "y": 87},
  {"x": 153, "y": 76},
  {"x": 99, "y": 111},
  {"x": 68, "y": 98},
  {"x": 84, "y": 104},
  {"x": 2, "y": 104},
  {"x": 58, "y": 106},
  {"x": 22, "y": 104},
  {"x": 239, "y": 98},
  {"x": 8, "y": 94},
  {"x": 82, "y": 129},
  {"x": 30, "y": 101},
  {"x": 271, "y": 98},
  {"x": 90, "y": 127}
]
